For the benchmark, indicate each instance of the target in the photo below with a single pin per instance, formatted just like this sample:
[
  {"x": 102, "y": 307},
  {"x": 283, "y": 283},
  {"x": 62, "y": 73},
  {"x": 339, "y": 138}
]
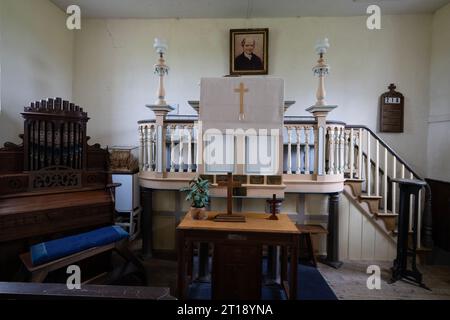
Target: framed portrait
[{"x": 249, "y": 51}]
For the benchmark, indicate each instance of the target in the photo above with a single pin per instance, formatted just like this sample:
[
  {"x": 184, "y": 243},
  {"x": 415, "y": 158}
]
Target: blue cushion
[{"x": 52, "y": 250}]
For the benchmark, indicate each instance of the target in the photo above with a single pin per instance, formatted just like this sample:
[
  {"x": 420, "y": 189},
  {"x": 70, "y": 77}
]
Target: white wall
[
  {"x": 114, "y": 78},
  {"x": 438, "y": 163},
  {"x": 36, "y": 59}
]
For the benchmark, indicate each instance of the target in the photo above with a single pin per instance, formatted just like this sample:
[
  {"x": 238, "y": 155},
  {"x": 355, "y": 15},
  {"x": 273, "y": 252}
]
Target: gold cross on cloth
[{"x": 241, "y": 90}]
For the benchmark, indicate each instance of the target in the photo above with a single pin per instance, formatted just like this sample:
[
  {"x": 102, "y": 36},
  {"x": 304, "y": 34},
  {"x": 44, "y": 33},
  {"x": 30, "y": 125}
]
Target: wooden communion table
[{"x": 237, "y": 257}]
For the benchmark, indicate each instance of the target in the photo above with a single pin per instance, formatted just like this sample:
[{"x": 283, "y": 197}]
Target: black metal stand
[{"x": 400, "y": 269}]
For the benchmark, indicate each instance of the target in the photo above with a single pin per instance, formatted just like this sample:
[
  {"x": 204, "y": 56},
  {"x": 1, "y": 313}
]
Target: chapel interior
[{"x": 216, "y": 150}]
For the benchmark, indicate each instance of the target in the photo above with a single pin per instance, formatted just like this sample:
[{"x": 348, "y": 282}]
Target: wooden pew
[{"x": 47, "y": 291}]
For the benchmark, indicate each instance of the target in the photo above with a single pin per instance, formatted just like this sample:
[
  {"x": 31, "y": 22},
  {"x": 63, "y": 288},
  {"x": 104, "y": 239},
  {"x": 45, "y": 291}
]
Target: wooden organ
[{"x": 52, "y": 185}]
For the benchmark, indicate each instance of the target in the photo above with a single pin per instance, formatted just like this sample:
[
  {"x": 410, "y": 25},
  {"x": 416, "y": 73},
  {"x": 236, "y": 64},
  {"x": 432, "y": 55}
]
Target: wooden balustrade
[
  {"x": 353, "y": 152},
  {"x": 147, "y": 137},
  {"x": 304, "y": 144}
]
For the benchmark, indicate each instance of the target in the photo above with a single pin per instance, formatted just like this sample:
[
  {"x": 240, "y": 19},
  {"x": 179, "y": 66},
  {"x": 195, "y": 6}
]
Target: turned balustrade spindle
[
  {"x": 331, "y": 150},
  {"x": 377, "y": 168},
  {"x": 352, "y": 153},
  {"x": 189, "y": 151},
  {"x": 385, "y": 180},
  {"x": 172, "y": 148},
  {"x": 394, "y": 186},
  {"x": 299, "y": 167},
  {"x": 307, "y": 142},
  {"x": 368, "y": 166},
  {"x": 181, "y": 132},
  {"x": 289, "y": 160},
  {"x": 360, "y": 158}
]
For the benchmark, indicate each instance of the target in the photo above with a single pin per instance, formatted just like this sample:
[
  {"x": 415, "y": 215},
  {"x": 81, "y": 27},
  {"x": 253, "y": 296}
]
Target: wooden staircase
[
  {"x": 372, "y": 205},
  {"x": 369, "y": 184}
]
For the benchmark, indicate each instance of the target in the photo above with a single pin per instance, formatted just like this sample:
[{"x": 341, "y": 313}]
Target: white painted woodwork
[
  {"x": 419, "y": 221},
  {"x": 331, "y": 150},
  {"x": 377, "y": 168},
  {"x": 394, "y": 185},
  {"x": 141, "y": 148},
  {"x": 411, "y": 202},
  {"x": 385, "y": 180},
  {"x": 359, "y": 238},
  {"x": 299, "y": 166},
  {"x": 346, "y": 150},
  {"x": 369, "y": 166},
  {"x": 189, "y": 152},
  {"x": 181, "y": 132},
  {"x": 307, "y": 141},
  {"x": 172, "y": 148},
  {"x": 360, "y": 160},
  {"x": 352, "y": 154},
  {"x": 342, "y": 151},
  {"x": 289, "y": 160}
]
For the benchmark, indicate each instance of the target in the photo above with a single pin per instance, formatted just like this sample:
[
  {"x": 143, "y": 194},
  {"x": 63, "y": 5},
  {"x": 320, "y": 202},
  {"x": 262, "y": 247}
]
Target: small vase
[{"x": 198, "y": 213}]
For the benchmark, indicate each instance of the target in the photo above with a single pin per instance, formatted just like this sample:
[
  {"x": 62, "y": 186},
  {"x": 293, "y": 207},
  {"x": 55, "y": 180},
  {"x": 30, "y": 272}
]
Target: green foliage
[{"x": 198, "y": 192}]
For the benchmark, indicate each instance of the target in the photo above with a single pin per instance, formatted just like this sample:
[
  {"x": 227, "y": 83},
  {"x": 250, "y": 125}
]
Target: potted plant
[{"x": 198, "y": 194}]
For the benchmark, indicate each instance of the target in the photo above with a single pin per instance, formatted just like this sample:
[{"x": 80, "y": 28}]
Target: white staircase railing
[{"x": 377, "y": 164}]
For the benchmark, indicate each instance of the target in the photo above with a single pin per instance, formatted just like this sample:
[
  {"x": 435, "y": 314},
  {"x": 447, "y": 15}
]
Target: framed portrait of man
[{"x": 249, "y": 51}]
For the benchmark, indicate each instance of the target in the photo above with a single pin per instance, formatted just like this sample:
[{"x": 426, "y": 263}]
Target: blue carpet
[{"x": 310, "y": 286}]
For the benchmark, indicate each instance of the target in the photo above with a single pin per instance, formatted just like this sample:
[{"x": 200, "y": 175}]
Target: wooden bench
[
  {"x": 305, "y": 236},
  {"x": 40, "y": 272},
  {"x": 51, "y": 291}
]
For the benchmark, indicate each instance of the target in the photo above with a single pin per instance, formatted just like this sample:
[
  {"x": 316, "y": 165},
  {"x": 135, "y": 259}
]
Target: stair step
[
  {"x": 366, "y": 197},
  {"x": 386, "y": 214},
  {"x": 395, "y": 232},
  {"x": 354, "y": 180}
]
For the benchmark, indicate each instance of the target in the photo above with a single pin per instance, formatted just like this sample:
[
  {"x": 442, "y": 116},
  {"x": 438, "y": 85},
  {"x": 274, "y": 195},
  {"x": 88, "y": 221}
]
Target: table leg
[
  {"x": 283, "y": 272},
  {"x": 293, "y": 270},
  {"x": 190, "y": 262}
]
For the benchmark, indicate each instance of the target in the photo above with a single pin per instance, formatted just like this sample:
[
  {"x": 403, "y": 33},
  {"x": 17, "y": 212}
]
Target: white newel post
[
  {"x": 160, "y": 141},
  {"x": 320, "y": 114}
]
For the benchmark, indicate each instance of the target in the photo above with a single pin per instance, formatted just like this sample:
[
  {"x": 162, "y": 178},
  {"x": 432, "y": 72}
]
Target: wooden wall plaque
[{"x": 391, "y": 110}]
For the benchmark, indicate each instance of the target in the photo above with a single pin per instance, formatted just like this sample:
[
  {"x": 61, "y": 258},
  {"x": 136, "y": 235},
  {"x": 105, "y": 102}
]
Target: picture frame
[{"x": 249, "y": 53}]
